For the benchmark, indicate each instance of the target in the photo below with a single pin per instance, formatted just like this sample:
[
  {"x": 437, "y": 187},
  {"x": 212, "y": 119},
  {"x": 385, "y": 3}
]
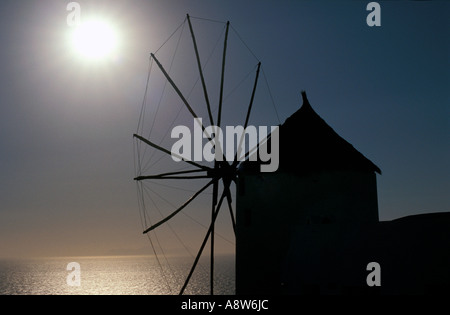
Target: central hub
[{"x": 223, "y": 170}]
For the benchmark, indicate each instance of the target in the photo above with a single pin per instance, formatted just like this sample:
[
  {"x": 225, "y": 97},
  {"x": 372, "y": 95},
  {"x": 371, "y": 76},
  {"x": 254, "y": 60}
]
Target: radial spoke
[
  {"x": 179, "y": 209},
  {"x": 219, "y": 116},
  {"x": 170, "y": 175},
  {"x": 253, "y": 150},
  {"x": 205, "y": 240},
  {"x": 174, "y": 86},
  {"x": 180, "y": 172},
  {"x": 233, "y": 221},
  {"x": 205, "y": 91},
  {"x": 252, "y": 97},
  {"x": 206, "y": 168},
  {"x": 213, "y": 210},
  {"x": 248, "y": 113},
  {"x": 186, "y": 103}
]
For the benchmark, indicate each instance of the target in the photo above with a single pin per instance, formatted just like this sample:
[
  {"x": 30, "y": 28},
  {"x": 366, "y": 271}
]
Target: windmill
[{"x": 222, "y": 174}]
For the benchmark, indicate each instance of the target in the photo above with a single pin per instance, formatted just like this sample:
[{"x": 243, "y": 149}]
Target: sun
[{"x": 95, "y": 39}]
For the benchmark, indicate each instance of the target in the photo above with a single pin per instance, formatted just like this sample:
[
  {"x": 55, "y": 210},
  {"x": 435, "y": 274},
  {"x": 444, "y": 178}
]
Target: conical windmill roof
[{"x": 308, "y": 144}]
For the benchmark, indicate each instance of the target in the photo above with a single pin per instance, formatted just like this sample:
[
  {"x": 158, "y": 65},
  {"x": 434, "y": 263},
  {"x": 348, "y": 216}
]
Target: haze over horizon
[{"x": 66, "y": 121}]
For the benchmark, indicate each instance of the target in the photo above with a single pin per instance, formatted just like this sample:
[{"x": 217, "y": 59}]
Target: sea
[{"x": 114, "y": 275}]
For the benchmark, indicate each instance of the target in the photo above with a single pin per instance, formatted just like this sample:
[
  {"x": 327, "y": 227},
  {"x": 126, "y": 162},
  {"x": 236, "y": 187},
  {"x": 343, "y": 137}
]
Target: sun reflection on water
[{"x": 122, "y": 275}]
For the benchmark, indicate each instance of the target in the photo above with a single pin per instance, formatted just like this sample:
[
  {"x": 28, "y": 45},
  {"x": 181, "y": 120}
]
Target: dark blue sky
[{"x": 66, "y": 156}]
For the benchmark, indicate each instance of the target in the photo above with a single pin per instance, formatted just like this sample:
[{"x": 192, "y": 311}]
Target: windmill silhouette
[{"x": 222, "y": 174}]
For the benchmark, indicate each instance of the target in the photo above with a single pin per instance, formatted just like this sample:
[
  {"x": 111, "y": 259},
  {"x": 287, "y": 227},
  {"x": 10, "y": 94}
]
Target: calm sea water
[{"x": 130, "y": 275}]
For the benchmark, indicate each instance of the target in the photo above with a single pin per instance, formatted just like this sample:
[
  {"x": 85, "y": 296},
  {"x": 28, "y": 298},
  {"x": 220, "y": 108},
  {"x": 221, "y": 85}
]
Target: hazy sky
[{"x": 66, "y": 123}]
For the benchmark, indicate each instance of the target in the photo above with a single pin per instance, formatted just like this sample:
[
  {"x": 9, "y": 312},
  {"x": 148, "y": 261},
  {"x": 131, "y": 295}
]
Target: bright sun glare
[{"x": 95, "y": 39}]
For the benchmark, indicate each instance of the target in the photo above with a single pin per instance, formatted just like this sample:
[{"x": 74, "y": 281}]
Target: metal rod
[
  {"x": 179, "y": 172},
  {"x": 177, "y": 90},
  {"x": 200, "y": 70},
  {"x": 139, "y": 178},
  {"x": 253, "y": 96},
  {"x": 180, "y": 94},
  {"x": 174, "y": 86},
  {"x": 233, "y": 221},
  {"x": 205, "y": 240},
  {"x": 179, "y": 209},
  {"x": 253, "y": 150},
  {"x": 223, "y": 75},
  {"x": 248, "y": 113},
  {"x": 214, "y": 203},
  {"x": 206, "y": 168},
  {"x": 169, "y": 175}
]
